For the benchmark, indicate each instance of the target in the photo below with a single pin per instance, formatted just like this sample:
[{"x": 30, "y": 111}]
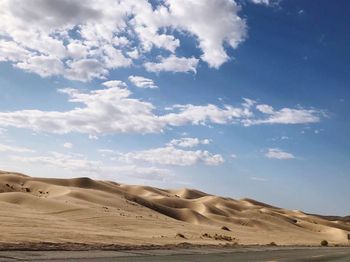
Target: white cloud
[
  {"x": 102, "y": 111},
  {"x": 82, "y": 40},
  {"x": 173, "y": 64},
  {"x": 142, "y": 82},
  {"x": 261, "y": 2},
  {"x": 266, "y": 109},
  {"x": 77, "y": 50},
  {"x": 112, "y": 110},
  {"x": 286, "y": 116},
  {"x": 214, "y": 23},
  {"x": 68, "y": 145},
  {"x": 169, "y": 154},
  {"x": 188, "y": 142},
  {"x": 43, "y": 65},
  {"x": 173, "y": 156},
  {"x": 292, "y": 116},
  {"x": 134, "y": 54},
  {"x": 10, "y": 51},
  {"x": 85, "y": 69},
  {"x": 267, "y": 3},
  {"x": 275, "y": 153},
  {"x": 192, "y": 114},
  {"x": 84, "y": 166},
  {"x": 14, "y": 149}
]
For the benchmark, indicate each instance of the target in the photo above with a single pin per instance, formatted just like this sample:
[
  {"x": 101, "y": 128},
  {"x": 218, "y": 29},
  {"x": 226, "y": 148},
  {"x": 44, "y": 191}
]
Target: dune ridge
[{"x": 86, "y": 211}]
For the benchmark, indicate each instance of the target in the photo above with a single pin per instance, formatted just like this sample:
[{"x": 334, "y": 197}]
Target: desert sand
[{"x": 81, "y": 211}]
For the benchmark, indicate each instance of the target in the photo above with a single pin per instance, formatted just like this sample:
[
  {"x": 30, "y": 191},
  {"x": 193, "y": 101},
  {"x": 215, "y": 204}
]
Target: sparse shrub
[
  {"x": 225, "y": 228},
  {"x": 206, "y": 235},
  {"x": 219, "y": 237},
  {"x": 272, "y": 244},
  {"x": 180, "y": 235},
  {"x": 324, "y": 243},
  {"x": 223, "y": 237}
]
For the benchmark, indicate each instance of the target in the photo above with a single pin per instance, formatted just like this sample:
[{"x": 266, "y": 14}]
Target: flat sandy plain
[{"x": 85, "y": 214}]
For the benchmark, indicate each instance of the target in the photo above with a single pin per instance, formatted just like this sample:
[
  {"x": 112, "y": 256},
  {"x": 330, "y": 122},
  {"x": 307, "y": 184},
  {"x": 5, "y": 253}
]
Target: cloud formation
[
  {"x": 142, "y": 82},
  {"x": 68, "y": 145},
  {"x": 113, "y": 110},
  {"x": 173, "y": 64},
  {"x": 275, "y": 153},
  {"x": 286, "y": 116},
  {"x": 261, "y": 2},
  {"x": 83, "y": 40},
  {"x": 82, "y": 165},
  {"x": 187, "y": 142},
  {"x": 14, "y": 149},
  {"x": 170, "y": 155}
]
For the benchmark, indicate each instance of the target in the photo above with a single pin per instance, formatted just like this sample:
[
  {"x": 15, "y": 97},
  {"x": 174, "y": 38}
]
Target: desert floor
[{"x": 82, "y": 213}]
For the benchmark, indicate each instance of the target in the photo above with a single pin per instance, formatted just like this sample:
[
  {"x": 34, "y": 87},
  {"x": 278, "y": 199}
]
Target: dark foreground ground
[{"x": 208, "y": 254}]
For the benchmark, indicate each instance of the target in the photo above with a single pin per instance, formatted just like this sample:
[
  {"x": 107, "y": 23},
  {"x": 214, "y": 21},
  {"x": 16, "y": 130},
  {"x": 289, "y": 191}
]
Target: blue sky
[{"x": 235, "y": 98}]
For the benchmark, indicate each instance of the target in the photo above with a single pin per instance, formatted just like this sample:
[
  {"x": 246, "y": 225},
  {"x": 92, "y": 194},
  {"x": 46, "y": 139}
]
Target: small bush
[
  {"x": 223, "y": 237},
  {"x": 180, "y": 235},
  {"x": 218, "y": 237},
  {"x": 206, "y": 235},
  {"x": 272, "y": 244},
  {"x": 324, "y": 243},
  {"x": 225, "y": 228}
]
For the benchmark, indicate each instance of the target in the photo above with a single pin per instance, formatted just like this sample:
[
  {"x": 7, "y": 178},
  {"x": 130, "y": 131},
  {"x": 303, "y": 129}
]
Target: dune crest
[{"x": 82, "y": 210}]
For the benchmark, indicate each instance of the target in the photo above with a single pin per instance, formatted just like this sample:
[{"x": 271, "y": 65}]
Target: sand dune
[{"x": 86, "y": 211}]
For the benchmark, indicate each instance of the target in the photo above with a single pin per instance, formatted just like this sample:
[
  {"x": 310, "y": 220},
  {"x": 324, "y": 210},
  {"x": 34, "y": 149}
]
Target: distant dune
[{"x": 90, "y": 212}]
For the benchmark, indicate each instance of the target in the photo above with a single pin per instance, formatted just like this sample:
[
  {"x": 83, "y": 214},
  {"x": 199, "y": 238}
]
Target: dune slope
[{"x": 86, "y": 211}]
